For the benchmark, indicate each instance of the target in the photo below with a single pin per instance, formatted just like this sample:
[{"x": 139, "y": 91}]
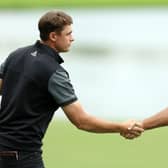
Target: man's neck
[{"x": 49, "y": 44}]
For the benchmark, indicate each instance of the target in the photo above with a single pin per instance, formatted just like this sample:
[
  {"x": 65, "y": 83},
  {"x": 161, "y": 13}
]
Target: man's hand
[{"x": 131, "y": 129}]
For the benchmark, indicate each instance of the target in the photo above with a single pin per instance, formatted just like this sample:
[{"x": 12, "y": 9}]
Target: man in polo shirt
[{"x": 34, "y": 85}]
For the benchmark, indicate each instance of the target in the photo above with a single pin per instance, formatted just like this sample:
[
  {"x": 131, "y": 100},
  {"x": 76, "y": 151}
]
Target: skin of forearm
[
  {"x": 158, "y": 120},
  {"x": 96, "y": 125},
  {"x": 84, "y": 121}
]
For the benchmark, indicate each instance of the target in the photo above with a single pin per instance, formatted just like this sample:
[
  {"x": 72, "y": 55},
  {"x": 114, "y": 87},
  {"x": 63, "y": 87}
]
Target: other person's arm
[{"x": 160, "y": 119}]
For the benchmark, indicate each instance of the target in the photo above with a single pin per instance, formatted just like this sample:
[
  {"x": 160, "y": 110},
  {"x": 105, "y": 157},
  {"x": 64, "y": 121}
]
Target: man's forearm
[
  {"x": 87, "y": 122},
  {"x": 93, "y": 124},
  {"x": 158, "y": 120}
]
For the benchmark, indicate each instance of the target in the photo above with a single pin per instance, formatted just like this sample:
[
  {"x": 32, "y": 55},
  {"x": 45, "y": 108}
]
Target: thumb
[{"x": 132, "y": 125}]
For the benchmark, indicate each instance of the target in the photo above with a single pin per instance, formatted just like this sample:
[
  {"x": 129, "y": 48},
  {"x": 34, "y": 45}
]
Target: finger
[
  {"x": 126, "y": 136},
  {"x": 135, "y": 123},
  {"x": 131, "y": 126},
  {"x": 135, "y": 133},
  {"x": 138, "y": 124},
  {"x": 138, "y": 129},
  {"x": 129, "y": 136}
]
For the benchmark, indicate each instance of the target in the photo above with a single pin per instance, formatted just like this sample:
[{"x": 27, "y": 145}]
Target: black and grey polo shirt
[{"x": 34, "y": 86}]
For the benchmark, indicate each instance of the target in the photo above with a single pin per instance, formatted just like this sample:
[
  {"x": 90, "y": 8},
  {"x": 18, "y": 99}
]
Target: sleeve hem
[{"x": 68, "y": 102}]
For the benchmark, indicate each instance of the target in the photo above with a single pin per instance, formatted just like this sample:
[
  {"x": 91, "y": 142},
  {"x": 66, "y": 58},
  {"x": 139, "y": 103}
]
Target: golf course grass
[{"x": 67, "y": 147}]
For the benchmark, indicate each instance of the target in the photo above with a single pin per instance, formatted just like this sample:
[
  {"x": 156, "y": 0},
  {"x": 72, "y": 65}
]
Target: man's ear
[{"x": 53, "y": 36}]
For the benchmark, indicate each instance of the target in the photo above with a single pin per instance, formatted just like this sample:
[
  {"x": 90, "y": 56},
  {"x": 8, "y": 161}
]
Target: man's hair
[{"x": 53, "y": 21}]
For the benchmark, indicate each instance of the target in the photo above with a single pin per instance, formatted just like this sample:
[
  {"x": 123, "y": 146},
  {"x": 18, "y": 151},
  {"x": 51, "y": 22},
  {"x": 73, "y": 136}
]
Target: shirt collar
[{"x": 50, "y": 51}]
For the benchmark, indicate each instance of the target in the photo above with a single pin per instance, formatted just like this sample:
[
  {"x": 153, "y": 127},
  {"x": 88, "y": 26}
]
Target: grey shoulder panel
[{"x": 60, "y": 87}]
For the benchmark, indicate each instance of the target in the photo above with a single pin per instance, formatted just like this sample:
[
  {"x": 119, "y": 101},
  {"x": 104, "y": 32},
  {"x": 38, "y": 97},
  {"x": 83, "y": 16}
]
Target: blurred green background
[
  {"x": 67, "y": 147},
  {"x": 77, "y": 3}
]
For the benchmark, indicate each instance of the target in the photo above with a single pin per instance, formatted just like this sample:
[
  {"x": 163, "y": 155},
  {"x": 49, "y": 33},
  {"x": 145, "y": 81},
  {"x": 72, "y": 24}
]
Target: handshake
[{"x": 131, "y": 129}]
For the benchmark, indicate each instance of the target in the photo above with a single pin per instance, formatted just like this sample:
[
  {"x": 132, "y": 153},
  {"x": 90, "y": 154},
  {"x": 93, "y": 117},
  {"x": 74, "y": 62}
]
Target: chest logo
[{"x": 34, "y": 54}]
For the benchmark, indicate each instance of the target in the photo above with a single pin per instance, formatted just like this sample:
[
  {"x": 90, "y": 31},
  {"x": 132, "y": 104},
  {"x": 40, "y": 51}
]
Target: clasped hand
[{"x": 131, "y": 129}]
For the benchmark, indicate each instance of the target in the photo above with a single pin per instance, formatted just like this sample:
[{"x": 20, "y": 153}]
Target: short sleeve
[{"x": 61, "y": 89}]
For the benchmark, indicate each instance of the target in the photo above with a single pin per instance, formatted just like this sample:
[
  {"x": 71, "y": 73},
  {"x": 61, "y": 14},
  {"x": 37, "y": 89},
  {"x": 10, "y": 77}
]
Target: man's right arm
[
  {"x": 61, "y": 89},
  {"x": 87, "y": 122}
]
